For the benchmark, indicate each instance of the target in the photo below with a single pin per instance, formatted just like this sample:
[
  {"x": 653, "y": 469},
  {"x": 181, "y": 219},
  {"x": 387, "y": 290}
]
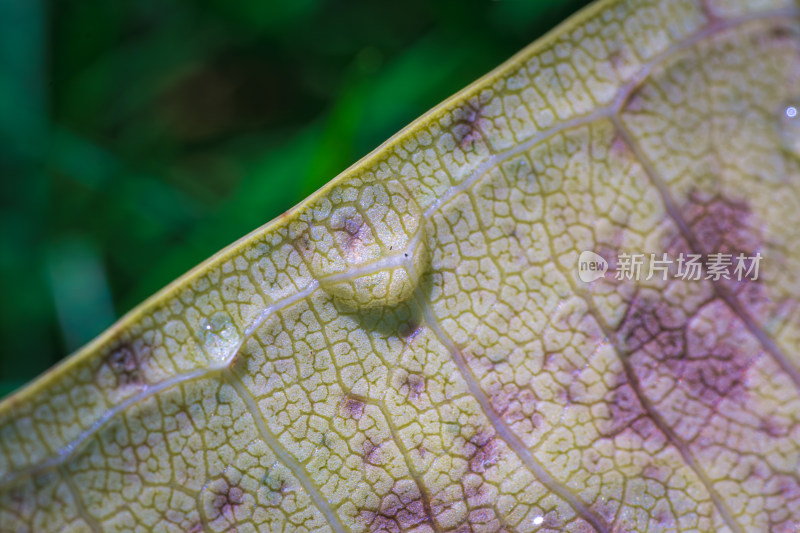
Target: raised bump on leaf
[{"x": 365, "y": 243}]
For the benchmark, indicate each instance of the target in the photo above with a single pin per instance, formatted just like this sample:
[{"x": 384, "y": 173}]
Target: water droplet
[
  {"x": 221, "y": 338},
  {"x": 386, "y": 282},
  {"x": 790, "y": 128},
  {"x": 390, "y": 277}
]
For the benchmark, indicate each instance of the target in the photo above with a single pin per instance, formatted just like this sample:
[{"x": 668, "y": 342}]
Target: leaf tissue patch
[{"x": 412, "y": 348}]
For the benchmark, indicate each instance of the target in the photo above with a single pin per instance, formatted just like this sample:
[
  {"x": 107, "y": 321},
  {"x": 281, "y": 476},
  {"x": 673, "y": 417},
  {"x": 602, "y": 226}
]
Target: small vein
[
  {"x": 609, "y": 111},
  {"x": 75, "y": 445},
  {"x": 76, "y": 497},
  {"x": 669, "y": 203},
  {"x": 538, "y": 470},
  {"x": 283, "y": 455},
  {"x": 655, "y": 416},
  {"x": 648, "y": 408},
  {"x": 415, "y": 476}
]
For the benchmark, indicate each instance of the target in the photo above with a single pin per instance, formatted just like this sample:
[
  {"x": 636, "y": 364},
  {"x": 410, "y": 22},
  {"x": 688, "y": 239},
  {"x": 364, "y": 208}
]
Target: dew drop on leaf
[
  {"x": 220, "y": 338},
  {"x": 385, "y": 249}
]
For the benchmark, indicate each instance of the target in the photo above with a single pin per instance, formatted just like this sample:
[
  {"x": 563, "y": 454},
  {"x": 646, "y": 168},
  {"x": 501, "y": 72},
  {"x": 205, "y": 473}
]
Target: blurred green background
[{"x": 138, "y": 137}]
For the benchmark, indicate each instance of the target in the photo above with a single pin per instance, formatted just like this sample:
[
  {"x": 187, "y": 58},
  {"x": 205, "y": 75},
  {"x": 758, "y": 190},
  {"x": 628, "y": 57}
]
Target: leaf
[{"x": 412, "y": 348}]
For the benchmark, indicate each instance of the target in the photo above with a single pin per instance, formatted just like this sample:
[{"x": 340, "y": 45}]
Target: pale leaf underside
[{"x": 412, "y": 349}]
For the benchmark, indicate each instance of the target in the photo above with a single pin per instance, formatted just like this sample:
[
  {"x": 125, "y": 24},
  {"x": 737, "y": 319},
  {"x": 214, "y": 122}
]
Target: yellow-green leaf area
[{"x": 412, "y": 348}]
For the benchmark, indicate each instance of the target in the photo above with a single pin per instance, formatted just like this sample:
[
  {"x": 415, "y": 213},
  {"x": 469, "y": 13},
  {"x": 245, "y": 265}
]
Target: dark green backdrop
[{"x": 138, "y": 137}]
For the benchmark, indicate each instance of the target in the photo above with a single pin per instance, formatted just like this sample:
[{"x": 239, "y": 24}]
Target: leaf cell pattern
[{"x": 411, "y": 348}]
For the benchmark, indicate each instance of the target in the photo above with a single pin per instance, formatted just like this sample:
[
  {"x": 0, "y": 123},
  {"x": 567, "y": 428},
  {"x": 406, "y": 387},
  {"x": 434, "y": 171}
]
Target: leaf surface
[{"x": 412, "y": 347}]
